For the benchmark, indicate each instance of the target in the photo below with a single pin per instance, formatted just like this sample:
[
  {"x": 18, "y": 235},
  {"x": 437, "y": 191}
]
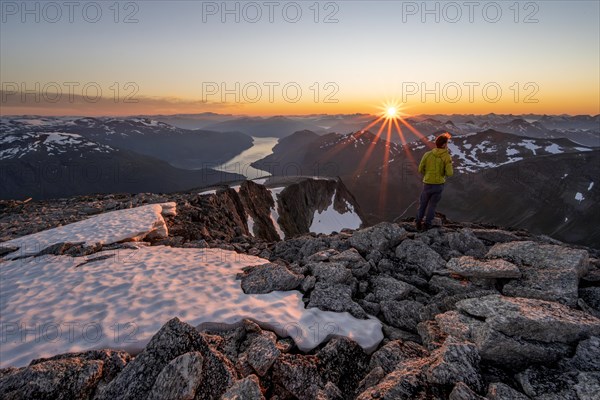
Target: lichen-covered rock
[
  {"x": 330, "y": 272},
  {"x": 587, "y": 355},
  {"x": 179, "y": 379},
  {"x": 431, "y": 334},
  {"x": 69, "y": 378},
  {"x": 343, "y": 363},
  {"x": 370, "y": 307},
  {"x": 387, "y": 288},
  {"x": 403, "y": 314},
  {"x": 470, "y": 267},
  {"x": 451, "y": 284},
  {"x": 591, "y": 295},
  {"x": 348, "y": 257},
  {"x": 540, "y": 320},
  {"x": 501, "y": 391},
  {"x": 588, "y": 385},
  {"x": 308, "y": 283},
  {"x": 371, "y": 379},
  {"x": 455, "y": 362},
  {"x": 550, "y": 272},
  {"x": 517, "y": 331},
  {"x": 311, "y": 245},
  {"x": 393, "y": 353},
  {"x": 266, "y": 278},
  {"x": 113, "y": 361},
  {"x": 244, "y": 389},
  {"x": 418, "y": 254},
  {"x": 495, "y": 235},
  {"x": 329, "y": 392},
  {"x": 443, "y": 302},
  {"x": 381, "y": 237},
  {"x": 263, "y": 352},
  {"x": 463, "y": 392},
  {"x": 172, "y": 340},
  {"x": 542, "y": 382},
  {"x": 335, "y": 297},
  {"x": 465, "y": 242},
  {"x": 405, "y": 383},
  {"x": 297, "y": 374}
]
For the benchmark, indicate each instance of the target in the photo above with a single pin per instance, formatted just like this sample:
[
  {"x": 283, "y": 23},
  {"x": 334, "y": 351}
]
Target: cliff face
[
  {"x": 280, "y": 208},
  {"x": 302, "y": 203}
]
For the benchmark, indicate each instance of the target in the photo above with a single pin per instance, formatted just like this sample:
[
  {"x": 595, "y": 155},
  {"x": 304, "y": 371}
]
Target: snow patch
[
  {"x": 554, "y": 149},
  {"x": 122, "y": 301},
  {"x": 529, "y": 144},
  {"x": 579, "y": 197},
  {"x": 62, "y": 138},
  {"x": 274, "y": 213},
  {"x": 330, "y": 220},
  {"x": 132, "y": 224},
  {"x": 591, "y": 186},
  {"x": 260, "y": 181},
  {"x": 250, "y": 225}
]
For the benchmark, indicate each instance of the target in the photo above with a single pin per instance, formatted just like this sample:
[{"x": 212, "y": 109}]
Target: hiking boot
[
  {"x": 428, "y": 227},
  {"x": 419, "y": 225}
]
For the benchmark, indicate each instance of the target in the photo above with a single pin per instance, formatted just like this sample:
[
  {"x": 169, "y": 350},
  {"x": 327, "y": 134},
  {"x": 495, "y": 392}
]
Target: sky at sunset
[{"x": 151, "y": 57}]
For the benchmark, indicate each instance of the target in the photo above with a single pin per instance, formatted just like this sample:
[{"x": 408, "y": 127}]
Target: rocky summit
[{"x": 468, "y": 312}]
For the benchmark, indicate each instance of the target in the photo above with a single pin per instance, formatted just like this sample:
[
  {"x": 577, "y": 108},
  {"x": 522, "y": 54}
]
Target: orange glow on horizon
[{"x": 554, "y": 103}]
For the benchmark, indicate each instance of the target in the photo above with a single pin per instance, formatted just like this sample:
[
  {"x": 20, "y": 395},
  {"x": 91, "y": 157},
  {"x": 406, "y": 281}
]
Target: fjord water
[{"x": 240, "y": 164}]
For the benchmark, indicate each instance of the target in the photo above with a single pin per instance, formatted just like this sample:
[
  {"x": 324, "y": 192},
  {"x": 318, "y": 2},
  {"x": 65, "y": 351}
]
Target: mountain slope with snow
[
  {"x": 53, "y": 164},
  {"x": 182, "y": 148}
]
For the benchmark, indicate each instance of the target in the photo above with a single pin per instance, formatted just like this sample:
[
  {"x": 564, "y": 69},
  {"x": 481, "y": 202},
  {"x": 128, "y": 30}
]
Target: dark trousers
[{"x": 430, "y": 197}]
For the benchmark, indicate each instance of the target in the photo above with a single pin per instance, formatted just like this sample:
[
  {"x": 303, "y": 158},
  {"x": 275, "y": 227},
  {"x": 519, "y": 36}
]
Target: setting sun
[{"x": 391, "y": 112}]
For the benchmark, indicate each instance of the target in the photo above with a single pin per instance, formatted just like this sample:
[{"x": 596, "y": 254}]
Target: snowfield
[
  {"x": 111, "y": 227},
  {"x": 120, "y": 298}
]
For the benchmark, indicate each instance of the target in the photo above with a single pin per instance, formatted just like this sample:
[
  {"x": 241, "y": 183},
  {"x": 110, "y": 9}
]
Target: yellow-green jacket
[{"x": 436, "y": 165}]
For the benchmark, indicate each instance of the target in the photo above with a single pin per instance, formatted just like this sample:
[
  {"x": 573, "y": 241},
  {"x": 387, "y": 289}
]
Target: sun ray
[
  {"x": 404, "y": 147},
  {"x": 385, "y": 168},
  {"x": 355, "y": 135},
  {"x": 367, "y": 154},
  {"x": 419, "y": 135}
]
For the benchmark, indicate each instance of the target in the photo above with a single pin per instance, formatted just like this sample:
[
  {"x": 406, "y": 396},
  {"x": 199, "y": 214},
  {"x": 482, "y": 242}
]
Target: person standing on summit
[{"x": 435, "y": 166}]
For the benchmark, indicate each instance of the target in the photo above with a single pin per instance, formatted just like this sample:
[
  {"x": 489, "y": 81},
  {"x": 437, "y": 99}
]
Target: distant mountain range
[
  {"x": 265, "y": 127},
  {"x": 182, "y": 148},
  {"x": 582, "y": 129},
  {"x": 54, "y": 157}
]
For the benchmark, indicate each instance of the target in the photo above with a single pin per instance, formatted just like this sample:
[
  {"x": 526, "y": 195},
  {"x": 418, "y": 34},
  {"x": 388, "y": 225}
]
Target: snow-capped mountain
[
  {"x": 581, "y": 129},
  {"x": 47, "y": 164},
  {"x": 18, "y": 145},
  {"x": 181, "y": 148},
  {"x": 490, "y": 149},
  {"x": 278, "y": 126}
]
